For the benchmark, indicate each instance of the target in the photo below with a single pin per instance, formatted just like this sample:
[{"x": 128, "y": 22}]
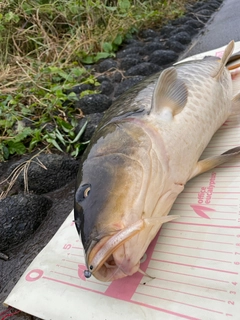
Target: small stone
[
  {"x": 134, "y": 56},
  {"x": 179, "y": 21},
  {"x": 133, "y": 43},
  {"x": 126, "y": 52},
  {"x": 143, "y": 69},
  {"x": 148, "y": 33},
  {"x": 158, "y": 39},
  {"x": 166, "y": 31},
  {"x": 106, "y": 65},
  {"x": 102, "y": 78},
  {"x": 127, "y": 63},
  {"x": 151, "y": 47},
  {"x": 106, "y": 88},
  {"x": 196, "y": 24},
  {"x": 93, "y": 103},
  {"x": 116, "y": 76},
  {"x": 163, "y": 57},
  {"x": 182, "y": 37},
  {"x": 186, "y": 28},
  {"x": 175, "y": 46},
  {"x": 127, "y": 84},
  {"x": 80, "y": 88}
]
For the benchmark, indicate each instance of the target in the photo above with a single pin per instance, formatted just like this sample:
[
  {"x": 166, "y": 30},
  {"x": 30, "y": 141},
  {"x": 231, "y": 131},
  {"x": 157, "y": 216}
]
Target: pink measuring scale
[{"x": 195, "y": 259}]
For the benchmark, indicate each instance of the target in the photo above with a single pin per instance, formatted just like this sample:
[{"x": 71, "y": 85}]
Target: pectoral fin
[
  {"x": 212, "y": 162},
  {"x": 170, "y": 95}
]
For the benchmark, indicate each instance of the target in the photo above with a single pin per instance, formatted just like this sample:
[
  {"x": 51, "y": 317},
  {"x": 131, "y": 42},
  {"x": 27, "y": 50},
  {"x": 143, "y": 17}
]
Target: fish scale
[
  {"x": 142, "y": 154},
  {"x": 199, "y": 119}
]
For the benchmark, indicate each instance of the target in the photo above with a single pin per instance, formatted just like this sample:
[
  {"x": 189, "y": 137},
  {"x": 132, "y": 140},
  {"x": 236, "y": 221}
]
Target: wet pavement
[{"x": 223, "y": 27}]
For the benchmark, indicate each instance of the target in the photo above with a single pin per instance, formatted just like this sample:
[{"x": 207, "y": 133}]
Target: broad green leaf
[
  {"x": 72, "y": 96},
  {"x": 11, "y": 16},
  {"x": 24, "y": 132},
  {"x": 88, "y": 59},
  {"x": 111, "y": 8},
  {"x": 118, "y": 40},
  {"x": 65, "y": 126},
  {"x": 16, "y": 147},
  {"x": 78, "y": 71},
  {"x": 102, "y": 55},
  {"x": 107, "y": 47},
  {"x": 124, "y": 4}
]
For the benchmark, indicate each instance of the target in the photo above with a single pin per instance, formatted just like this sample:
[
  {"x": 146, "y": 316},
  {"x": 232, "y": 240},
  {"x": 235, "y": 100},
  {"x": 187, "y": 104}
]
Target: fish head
[
  {"x": 117, "y": 194},
  {"x": 106, "y": 202}
]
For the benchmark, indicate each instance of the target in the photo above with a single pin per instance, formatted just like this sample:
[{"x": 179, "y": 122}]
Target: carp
[{"x": 141, "y": 156}]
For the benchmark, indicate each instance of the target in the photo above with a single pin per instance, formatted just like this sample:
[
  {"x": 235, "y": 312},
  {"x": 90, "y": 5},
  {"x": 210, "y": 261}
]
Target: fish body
[{"x": 144, "y": 151}]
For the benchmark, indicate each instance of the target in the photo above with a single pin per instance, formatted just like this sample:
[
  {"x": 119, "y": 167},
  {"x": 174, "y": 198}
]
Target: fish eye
[
  {"x": 86, "y": 192},
  {"x": 83, "y": 192}
]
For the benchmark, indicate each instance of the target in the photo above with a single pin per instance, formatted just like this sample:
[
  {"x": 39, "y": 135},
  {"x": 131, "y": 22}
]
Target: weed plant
[{"x": 44, "y": 48}]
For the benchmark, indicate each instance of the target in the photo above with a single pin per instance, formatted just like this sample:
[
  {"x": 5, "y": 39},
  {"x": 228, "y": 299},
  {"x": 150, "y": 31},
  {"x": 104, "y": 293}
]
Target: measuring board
[{"x": 195, "y": 259}]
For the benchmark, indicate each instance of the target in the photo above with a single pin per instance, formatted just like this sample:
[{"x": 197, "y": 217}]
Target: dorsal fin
[
  {"x": 226, "y": 55},
  {"x": 170, "y": 94}
]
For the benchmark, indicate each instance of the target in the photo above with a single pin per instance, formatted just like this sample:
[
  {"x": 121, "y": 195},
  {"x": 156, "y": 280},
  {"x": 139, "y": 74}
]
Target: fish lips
[
  {"x": 109, "y": 267},
  {"x": 110, "y": 258}
]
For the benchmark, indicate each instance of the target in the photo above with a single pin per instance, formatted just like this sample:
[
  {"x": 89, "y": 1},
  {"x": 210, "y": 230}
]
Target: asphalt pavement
[{"x": 223, "y": 27}]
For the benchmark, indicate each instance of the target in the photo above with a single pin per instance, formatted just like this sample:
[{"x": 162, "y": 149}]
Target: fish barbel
[{"x": 142, "y": 154}]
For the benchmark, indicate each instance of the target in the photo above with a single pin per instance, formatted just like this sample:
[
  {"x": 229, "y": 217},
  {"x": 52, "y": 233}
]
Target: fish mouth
[
  {"x": 112, "y": 257},
  {"x": 111, "y": 267},
  {"x": 106, "y": 259}
]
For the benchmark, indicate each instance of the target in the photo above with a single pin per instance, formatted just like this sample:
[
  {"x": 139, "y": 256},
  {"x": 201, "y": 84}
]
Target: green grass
[{"x": 44, "y": 46}]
